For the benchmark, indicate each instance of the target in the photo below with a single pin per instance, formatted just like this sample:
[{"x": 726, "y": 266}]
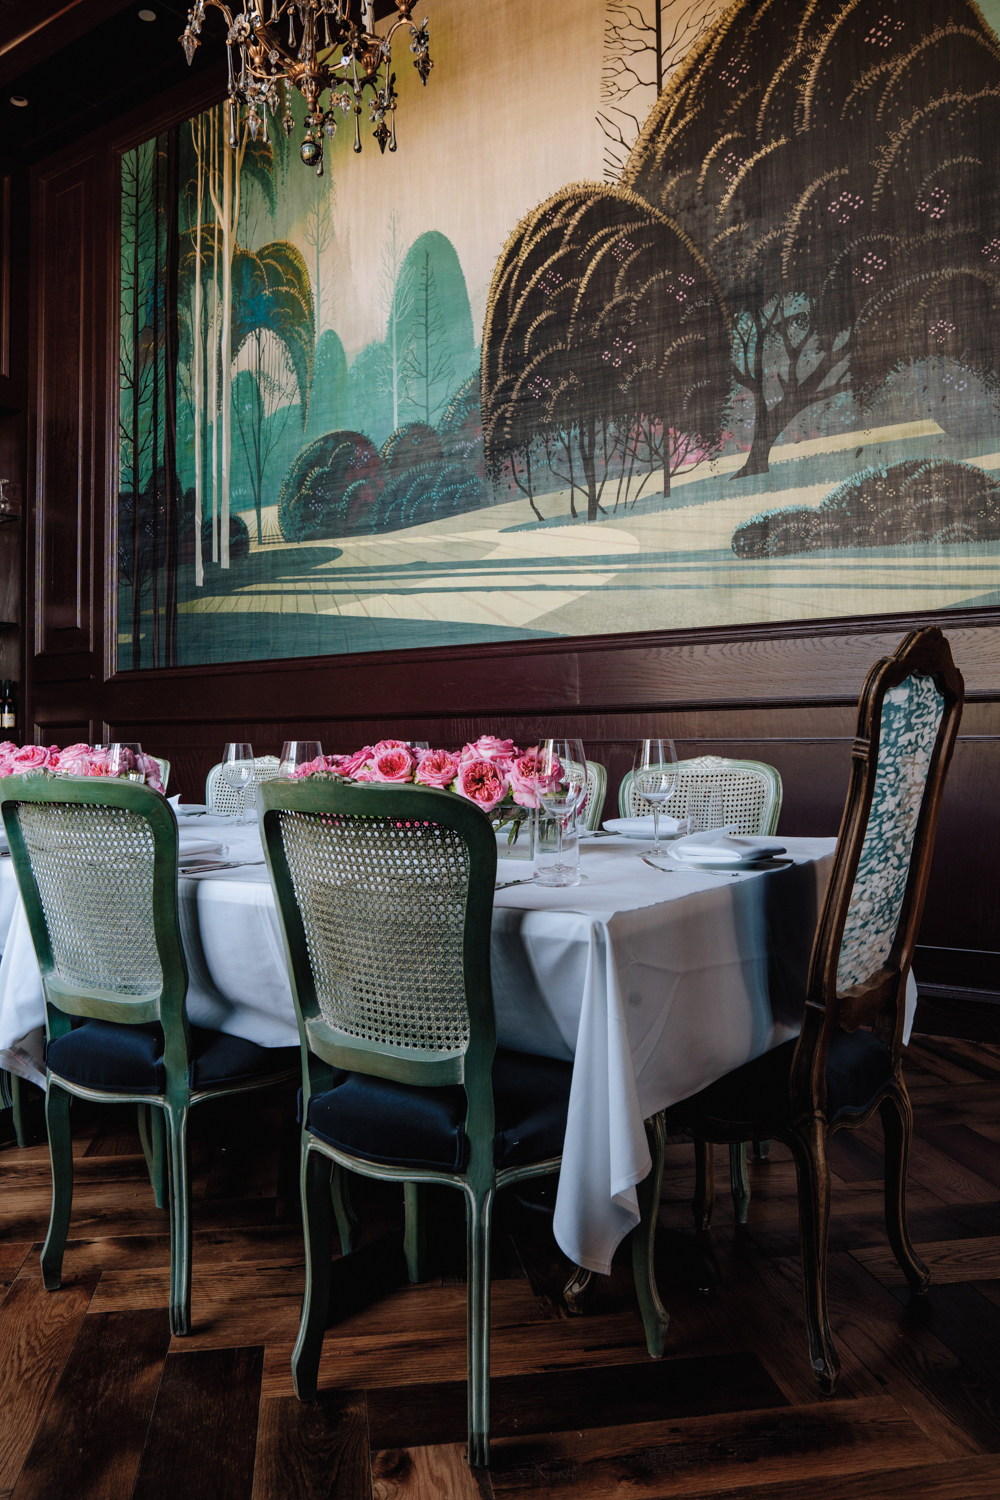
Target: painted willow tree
[
  {"x": 834, "y": 162},
  {"x": 147, "y": 413},
  {"x": 603, "y": 323}
]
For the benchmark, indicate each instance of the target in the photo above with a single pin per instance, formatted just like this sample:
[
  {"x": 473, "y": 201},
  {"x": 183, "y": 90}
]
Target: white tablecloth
[{"x": 653, "y": 985}]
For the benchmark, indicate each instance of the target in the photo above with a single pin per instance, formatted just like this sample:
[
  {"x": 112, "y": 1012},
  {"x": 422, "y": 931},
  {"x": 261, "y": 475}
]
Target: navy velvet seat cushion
[
  {"x": 129, "y": 1059},
  {"x": 396, "y": 1124},
  {"x": 857, "y": 1067}
]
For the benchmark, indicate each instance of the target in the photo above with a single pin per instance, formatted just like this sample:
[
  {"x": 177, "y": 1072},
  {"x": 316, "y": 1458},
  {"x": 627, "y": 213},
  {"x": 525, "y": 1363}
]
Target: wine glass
[
  {"x": 654, "y": 776},
  {"x": 297, "y": 753},
  {"x": 561, "y": 788},
  {"x": 125, "y": 759},
  {"x": 238, "y": 771}
]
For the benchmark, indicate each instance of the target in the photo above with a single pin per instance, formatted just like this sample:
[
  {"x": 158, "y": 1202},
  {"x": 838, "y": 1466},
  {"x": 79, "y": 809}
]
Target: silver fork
[
  {"x": 502, "y": 885},
  {"x": 719, "y": 874}
]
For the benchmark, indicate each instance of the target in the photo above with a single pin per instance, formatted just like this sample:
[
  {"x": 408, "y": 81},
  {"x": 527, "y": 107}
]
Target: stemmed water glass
[
  {"x": 125, "y": 759},
  {"x": 296, "y": 753},
  {"x": 238, "y": 772},
  {"x": 654, "y": 776},
  {"x": 561, "y": 788}
]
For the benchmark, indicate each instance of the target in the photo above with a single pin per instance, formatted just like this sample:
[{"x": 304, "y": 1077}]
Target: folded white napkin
[
  {"x": 175, "y": 802},
  {"x": 189, "y": 846},
  {"x": 641, "y": 828},
  {"x": 720, "y": 846}
]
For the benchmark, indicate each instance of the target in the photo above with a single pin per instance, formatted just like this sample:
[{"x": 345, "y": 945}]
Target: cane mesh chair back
[
  {"x": 93, "y": 869},
  {"x": 221, "y": 798},
  {"x": 96, "y": 862},
  {"x": 383, "y": 908},
  {"x": 386, "y": 897},
  {"x": 750, "y": 792},
  {"x": 591, "y": 813}
]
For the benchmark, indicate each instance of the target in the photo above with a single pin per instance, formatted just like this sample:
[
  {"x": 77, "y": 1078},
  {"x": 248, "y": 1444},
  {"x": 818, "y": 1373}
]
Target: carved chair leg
[
  {"x": 704, "y": 1184},
  {"x": 340, "y": 1196},
  {"x": 897, "y": 1123},
  {"x": 61, "y": 1159},
  {"x": 739, "y": 1182},
  {"x": 180, "y": 1221},
  {"x": 478, "y": 1210},
  {"x": 579, "y": 1280},
  {"x": 655, "y": 1318},
  {"x": 809, "y": 1150},
  {"x": 414, "y": 1232},
  {"x": 317, "y": 1226}
]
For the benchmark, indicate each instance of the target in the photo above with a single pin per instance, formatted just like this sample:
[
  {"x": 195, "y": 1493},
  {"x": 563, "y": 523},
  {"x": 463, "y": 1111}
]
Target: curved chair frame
[
  {"x": 733, "y": 778},
  {"x": 597, "y": 790},
  {"x": 324, "y": 1048},
  {"x": 63, "y": 1001},
  {"x": 876, "y": 1001}
]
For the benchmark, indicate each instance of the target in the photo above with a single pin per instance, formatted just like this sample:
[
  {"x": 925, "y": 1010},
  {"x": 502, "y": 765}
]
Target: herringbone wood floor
[{"x": 98, "y": 1402}]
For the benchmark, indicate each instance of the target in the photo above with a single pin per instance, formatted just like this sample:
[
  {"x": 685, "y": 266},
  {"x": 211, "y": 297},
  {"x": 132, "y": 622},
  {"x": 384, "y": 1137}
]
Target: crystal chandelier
[{"x": 314, "y": 46}]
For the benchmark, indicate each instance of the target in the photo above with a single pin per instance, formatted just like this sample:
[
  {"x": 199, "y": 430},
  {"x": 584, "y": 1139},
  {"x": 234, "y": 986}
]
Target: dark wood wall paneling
[{"x": 784, "y": 694}]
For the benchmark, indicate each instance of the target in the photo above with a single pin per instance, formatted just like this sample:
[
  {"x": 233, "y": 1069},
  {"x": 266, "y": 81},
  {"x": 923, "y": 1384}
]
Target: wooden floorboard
[{"x": 96, "y": 1398}]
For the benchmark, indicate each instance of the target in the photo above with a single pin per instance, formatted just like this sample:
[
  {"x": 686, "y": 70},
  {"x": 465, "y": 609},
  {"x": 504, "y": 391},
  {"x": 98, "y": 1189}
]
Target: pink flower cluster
[
  {"x": 490, "y": 772},
  {"x": 75, "y": 760}
]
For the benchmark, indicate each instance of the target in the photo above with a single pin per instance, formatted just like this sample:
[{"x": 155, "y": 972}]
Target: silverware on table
[
  {"x": 680, "y": 870},
  {"x": 502, "y": 885}
]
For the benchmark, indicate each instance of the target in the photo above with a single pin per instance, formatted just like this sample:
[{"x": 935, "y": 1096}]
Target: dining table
[{"x": 653, "y": 979}]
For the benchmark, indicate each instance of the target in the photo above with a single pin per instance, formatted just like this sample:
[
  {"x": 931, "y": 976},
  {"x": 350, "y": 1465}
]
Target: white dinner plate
[{"x": 764, "y": 861}]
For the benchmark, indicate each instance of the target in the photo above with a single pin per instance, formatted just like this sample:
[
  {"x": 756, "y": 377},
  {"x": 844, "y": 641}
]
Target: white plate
[
  {"x": 191, "y": 809},
  {"x": 765, "y": 861}
]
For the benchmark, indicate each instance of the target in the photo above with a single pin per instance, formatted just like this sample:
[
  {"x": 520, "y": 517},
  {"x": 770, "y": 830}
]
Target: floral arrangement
[
  {"x": 75, "y": 760},
  {"x": 492, "y": 773}
]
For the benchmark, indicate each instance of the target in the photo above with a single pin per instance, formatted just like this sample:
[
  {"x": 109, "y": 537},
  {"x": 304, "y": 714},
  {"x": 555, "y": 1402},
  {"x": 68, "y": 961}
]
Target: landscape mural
[{"x": 677, "y": 314}]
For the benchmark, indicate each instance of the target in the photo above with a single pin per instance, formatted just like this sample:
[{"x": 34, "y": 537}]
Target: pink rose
[
  {"x": 310, "y": 767},
  {"x": 350, "y": 765},
  {"x": 152, "y": 772},
  {"x": 28, "y": 757},
  {"x": 437, "y": 768},
  {"x": 488, "y": 747},
  {"x": 482, "y": 782},
  {"x": 395, "y": 764},
  {"x": 391, "y": 745},
  {"x": 76, "y": 760},
  {"x": 523, "y": 772}
]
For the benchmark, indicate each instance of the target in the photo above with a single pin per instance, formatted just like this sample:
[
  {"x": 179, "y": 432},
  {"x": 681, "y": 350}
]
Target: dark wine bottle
[{"x": 8, "y": 709}]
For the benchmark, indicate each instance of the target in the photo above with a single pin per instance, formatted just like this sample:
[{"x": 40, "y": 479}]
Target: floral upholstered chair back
[{"x": 910, "y": 721}]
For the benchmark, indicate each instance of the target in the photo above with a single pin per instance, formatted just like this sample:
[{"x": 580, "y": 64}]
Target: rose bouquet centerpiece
[
  {"x": 492, "y": 773},
  {"x": 75, "y": 760}
]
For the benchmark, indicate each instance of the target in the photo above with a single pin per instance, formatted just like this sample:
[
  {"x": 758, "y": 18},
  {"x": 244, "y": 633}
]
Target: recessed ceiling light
[
  {"x": 19, "y": 101},
  {"x": 147, "y": 15}
]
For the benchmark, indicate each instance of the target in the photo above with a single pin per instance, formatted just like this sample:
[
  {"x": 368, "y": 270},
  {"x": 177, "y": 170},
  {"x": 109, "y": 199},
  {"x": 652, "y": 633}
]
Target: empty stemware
[
  {"x": 125, "y": 759},
  {"x": 238, "y": 772},
  {"x": 298, "y": 753},
  {"x": 561, "y": 787},
  {"x": 654, "y": 776}
]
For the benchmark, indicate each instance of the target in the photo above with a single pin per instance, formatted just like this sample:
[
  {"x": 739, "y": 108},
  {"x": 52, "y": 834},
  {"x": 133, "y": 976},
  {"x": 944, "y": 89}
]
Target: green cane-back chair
[
  {"x": 220, "y": 797},
  {"x": 96, "y": 863},
  {"x": 750, "y": 794},
  {"x": 385, "y": 895},
  {"x": 837, "y": 1073}
]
